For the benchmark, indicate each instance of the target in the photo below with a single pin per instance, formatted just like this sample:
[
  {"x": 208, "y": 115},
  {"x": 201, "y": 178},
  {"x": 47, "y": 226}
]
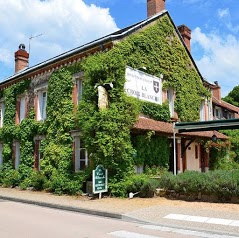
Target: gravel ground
[{"x": 115, "y": 205}]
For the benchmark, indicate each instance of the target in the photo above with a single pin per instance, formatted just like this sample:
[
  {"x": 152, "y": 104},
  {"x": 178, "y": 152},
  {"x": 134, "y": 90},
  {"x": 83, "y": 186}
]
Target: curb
[{"x": 65, "y": 208}]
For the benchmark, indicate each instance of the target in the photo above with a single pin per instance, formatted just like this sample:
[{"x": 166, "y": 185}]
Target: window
[
  {"x": 202, "y": 111},
  {"x": 79, "y": 85},
  {"x": 22, "y": 108},
  {"x": 17, "y": 154},
  {"x": 38, "y": 153},
  {"x": 42, "y": 101},
  {"x": 170, "y": 97},
  {"x": 2, "y": 111},
  {"x": 1, "y": 158},
  {"x": 80, "y": 154}
]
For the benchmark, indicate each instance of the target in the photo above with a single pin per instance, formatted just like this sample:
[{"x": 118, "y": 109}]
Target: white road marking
[
  {"x": 186, "y": 232},
  {"x": 127, "y": 234},
  {"x": 210, "y": 220}
]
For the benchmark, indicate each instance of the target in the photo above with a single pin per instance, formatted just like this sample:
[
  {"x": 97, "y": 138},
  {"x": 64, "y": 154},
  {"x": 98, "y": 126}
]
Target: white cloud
[
  {"x": 219, "y": 58},
  {"x": 63, "y": 24},
  {"x": 222, "y": 13}
]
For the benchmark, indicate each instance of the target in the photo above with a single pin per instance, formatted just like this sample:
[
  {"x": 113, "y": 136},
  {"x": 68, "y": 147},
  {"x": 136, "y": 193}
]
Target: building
[{"x": 42, "y": 131}]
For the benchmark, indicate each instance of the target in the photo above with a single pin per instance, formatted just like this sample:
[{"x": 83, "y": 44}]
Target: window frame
[
  {"x": 41, "y": 110},
  {"x": 77, "y": 140}
]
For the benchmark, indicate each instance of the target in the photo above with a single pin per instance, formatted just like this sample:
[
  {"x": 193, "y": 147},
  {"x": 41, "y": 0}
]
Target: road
[{"x": 19, "y": 220}]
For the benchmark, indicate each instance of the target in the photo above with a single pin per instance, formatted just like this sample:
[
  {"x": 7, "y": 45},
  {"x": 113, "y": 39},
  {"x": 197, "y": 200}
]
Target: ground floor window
[
  {"x": 17, "y": 154},
  {"x": 80, "y": 154},
  {"x": 38, "y": 152}
]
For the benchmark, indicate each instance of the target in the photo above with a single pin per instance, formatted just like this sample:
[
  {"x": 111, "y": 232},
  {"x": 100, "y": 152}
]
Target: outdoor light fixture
[{"x": 214, "y": 138}]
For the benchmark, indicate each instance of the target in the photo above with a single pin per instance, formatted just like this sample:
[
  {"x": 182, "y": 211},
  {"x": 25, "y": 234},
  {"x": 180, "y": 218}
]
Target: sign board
[
  {"x": 100, "y": 178},
  {"x": 143, "y": 86}
]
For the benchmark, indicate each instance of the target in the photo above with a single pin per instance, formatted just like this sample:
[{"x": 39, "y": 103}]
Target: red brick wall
[{"x": 155, "y": 6}]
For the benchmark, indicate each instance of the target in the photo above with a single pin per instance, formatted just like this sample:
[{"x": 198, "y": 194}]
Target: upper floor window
[
  {"x": 20, "y": 109},
  {"x": 79, "y": 85},
  {"x": 170, "y": 97},
  {"x": 202, "y": 111},
  {"x": 2, "y": 112},
  {"x": 41, "y": 102}
]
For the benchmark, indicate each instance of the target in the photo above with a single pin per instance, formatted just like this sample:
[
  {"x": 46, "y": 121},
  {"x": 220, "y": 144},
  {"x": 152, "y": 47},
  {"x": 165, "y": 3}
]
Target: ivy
[{"x": 151, "y": 150}]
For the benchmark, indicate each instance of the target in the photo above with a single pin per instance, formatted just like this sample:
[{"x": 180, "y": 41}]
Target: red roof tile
[
  {"x": 146, "y": 124},
  {"x": 226, "y": 105}
]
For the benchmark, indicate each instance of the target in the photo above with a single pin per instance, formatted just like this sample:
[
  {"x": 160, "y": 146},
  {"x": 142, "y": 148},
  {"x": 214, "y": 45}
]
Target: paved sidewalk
[{"x": 152, "y": 210}]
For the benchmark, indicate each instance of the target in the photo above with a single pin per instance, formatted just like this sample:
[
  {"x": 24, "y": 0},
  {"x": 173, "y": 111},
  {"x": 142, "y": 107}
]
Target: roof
[
  {"x": 225, "y": 105},
  {"x": 120, "y": 34},
  {"x": 207, "y": 125},
  {"x": 166, "y": 128}
]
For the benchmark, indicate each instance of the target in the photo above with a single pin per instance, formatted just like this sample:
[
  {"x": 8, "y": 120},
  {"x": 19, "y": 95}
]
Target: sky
[{"x": 51, "y": 27}]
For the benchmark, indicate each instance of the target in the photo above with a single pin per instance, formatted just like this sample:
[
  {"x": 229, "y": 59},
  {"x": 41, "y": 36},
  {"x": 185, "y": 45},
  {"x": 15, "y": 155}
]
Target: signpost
[{"x": 100, "y": 180}]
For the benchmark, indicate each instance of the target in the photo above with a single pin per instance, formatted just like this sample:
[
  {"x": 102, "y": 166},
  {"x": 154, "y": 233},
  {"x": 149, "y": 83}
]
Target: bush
[
  {"x": 12, "y": 178},
  {"x": 36, "y": 180},
  {"x": 140, "y": 184},
  {"x": 223, "y": 184}
]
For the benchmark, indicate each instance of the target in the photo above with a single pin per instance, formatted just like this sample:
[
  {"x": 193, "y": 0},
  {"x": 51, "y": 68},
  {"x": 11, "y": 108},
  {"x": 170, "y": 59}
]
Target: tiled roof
[
  {"x": 225, "y": 105},
  {"x": 146, "y": 124}
]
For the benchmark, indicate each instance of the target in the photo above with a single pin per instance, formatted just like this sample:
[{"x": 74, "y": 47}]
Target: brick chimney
[
  {"x": 216, "y": 91},
  {"x": 155, "y": 6},
  {"x": 21, "y": 58},
  {"x": 186, "y": 35}
]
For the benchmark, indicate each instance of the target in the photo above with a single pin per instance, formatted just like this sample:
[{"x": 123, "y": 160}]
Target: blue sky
[{"x": 68, "y": 24}]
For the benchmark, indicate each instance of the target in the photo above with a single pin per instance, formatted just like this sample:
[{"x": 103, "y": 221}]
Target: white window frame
[
  {"x": 170, "y": 97},
  {"x": 41, "y": 107},
  {"x": 77, "y": 152},
  {"x": 22, "y": 109},
  {"x": 202, "y": 111},
  {"x": 2, "y": 112}
]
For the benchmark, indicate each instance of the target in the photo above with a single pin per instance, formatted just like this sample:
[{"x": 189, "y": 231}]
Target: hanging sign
[{"x": 143, "y": 86}]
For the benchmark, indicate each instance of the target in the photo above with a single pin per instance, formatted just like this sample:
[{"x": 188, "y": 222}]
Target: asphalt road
[{"x": 19, "y": 220}]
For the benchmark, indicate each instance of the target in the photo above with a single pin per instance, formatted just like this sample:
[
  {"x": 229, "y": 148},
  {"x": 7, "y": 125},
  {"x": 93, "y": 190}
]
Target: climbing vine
[{"x": 106, "y": 133}]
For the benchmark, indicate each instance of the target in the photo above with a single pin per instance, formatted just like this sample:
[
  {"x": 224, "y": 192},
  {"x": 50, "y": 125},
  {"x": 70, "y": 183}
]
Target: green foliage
[
  {"x": 156, "y": 111},
  {"x": 151, "y": 150},
  {"x": 233, "y": 97},
  {"x": 234, "y": 140},
  {"x": 141, "y": 184},
  {"x": 221, "y": 183}
]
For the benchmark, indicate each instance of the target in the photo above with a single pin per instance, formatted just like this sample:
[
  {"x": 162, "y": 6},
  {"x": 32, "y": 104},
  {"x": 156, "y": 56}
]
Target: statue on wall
[{"x": 103, "y": 98}]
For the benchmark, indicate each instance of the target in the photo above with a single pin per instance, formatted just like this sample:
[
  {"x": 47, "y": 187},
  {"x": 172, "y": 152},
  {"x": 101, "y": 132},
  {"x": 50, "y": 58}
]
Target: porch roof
[{"x": 166, "y": 128}]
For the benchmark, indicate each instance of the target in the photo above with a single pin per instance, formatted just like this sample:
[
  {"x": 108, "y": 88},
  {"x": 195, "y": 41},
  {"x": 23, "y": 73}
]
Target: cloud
[
  {"x": 219, "y": 58},
  {"x": 63, "y": 24},
  {"x": 225, "y": 16}
]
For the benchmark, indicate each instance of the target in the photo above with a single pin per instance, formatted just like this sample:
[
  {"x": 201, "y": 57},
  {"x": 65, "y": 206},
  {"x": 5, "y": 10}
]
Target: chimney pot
[
  {"x": 155, "y": 6},
  {"x": 21, "y": 58}
]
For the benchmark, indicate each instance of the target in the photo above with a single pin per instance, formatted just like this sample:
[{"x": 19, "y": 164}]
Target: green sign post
[{"x": 100, "y": 180}]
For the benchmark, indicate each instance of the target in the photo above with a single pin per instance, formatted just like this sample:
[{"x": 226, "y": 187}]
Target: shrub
[
  {"x": 12, "y": 178},
  {"x": 141, "y": 184}
]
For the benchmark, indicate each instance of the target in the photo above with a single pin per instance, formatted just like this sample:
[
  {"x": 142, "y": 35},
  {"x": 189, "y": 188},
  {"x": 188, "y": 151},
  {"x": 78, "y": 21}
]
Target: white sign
[{"x": 143, "y": 86}]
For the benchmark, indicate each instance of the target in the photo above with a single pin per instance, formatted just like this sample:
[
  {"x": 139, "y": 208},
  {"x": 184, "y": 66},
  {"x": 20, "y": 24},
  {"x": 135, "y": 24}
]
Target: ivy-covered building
[{"x": 73, "y": 111}]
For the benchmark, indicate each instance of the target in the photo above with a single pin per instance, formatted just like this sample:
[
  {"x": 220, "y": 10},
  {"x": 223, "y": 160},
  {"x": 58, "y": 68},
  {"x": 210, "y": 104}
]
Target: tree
[{"x": 233, "y": 97}]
